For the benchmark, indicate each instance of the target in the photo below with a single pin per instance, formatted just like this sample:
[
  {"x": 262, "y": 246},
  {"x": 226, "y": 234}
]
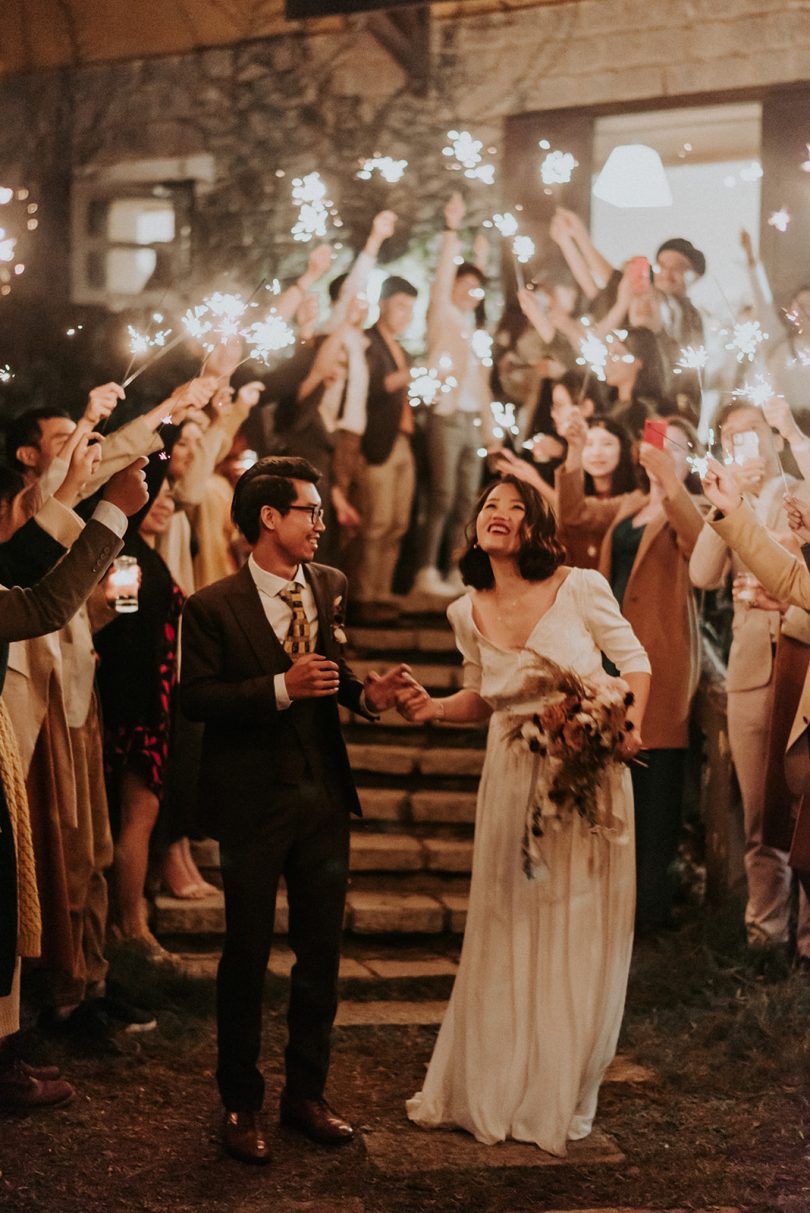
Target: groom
[{"x": 262, "y": 667}]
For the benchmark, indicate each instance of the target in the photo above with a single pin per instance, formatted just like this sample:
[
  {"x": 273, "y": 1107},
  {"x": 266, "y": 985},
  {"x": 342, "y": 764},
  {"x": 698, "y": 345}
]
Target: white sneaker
[{"x": 429, "y": 581}]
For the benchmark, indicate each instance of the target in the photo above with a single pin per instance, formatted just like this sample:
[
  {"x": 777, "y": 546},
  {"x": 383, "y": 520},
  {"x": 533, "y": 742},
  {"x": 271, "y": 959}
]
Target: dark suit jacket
[
  {"x": 384, "y": 409},
  {"x": 254, "y": 755}
]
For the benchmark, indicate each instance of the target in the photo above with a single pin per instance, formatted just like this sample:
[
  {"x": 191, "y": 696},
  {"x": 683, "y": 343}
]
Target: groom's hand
[
  {"x": 381, "y": 690},
  {"x": 312, "y": 677}
]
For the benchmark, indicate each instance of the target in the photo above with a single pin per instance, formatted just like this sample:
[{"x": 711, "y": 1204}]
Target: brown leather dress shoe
[
  {"x": 244, "y": 1138},
  {"x": 315, "y": 1119},
  {"x": 21, "y": 1091}
]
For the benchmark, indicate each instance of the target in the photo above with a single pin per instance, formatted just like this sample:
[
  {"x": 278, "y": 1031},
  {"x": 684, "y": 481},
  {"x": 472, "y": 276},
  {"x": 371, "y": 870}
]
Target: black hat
[
  {"x": 686, "y": 249},
  {"x": 394, "y": 285}
]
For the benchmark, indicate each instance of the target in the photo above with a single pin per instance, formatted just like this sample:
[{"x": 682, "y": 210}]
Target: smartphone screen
[
  {"x": 746, "y": 446},
  {"x": 655, "y": 432}
]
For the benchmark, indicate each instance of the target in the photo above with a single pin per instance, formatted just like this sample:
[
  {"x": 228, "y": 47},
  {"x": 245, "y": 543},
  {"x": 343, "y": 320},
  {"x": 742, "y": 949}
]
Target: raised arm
[{"x": 442, "y": 286}]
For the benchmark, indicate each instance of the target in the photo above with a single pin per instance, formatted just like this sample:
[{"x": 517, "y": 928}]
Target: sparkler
[
  {"x": 389, "y": 169},
  {"x": 310, "y": 195},
  {"x": 758, "y": 391},
  {"x": 482, "y": 347},
  {"x": 506, "y": 224},
  {"x": 7, "y": 246},
  {"x": 427, "y": 383},
  {"x": 806, "y": 164},
  {"x": 780, "y": 219},
  {"x": 466, "y": 151},
  {"x": 6, "y": 374},
  {"x": 593, "y": 353},
  {"x": 7, "y": 194},
  {"x": 267, "y": 337},
  {"x": 503, "y": 416},
  {"x": 557, "y": 167},
  {"x": 746, "y": 339},
  {"x": 523, "y": 248}
]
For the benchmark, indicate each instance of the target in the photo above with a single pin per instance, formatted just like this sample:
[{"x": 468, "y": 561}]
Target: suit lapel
[
  {"x": 318, "y": 584},
  {"x": 247, "y": 609}
]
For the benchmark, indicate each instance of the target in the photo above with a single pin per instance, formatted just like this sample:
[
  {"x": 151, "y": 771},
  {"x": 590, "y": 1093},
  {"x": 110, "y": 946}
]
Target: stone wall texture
[{"x": 294, "y": 103}]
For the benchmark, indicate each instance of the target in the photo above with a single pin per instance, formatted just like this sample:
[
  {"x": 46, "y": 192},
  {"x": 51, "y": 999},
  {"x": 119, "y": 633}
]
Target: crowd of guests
[{"x": 91, "y": 738}]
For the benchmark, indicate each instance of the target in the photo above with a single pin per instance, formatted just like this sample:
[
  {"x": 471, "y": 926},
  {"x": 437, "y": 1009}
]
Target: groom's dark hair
[
  {"x": 268, "y": 482},
  {"x": 540, "y": 552}
]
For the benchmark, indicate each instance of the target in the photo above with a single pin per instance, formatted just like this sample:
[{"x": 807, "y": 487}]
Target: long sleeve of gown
[{"x": 609, "y": 628}]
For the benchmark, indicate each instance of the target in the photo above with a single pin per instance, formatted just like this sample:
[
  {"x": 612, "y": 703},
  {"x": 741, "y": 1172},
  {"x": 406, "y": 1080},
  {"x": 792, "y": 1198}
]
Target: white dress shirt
[{"x": 279, "y": 614}]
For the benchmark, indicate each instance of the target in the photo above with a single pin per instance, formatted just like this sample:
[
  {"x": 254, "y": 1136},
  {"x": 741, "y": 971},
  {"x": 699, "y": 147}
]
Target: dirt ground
[{"x": 725, "y": 1123}]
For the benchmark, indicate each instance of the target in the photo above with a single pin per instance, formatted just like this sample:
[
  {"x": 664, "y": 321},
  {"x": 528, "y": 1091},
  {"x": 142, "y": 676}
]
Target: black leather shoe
[
  {"x": 244, "y": 1138},
  {"x": 315, "y": 1119}
]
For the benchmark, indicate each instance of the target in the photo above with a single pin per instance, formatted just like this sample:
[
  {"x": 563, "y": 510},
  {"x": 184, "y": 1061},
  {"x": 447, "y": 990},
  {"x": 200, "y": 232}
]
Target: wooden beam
[{"x": 405, "y": 34}]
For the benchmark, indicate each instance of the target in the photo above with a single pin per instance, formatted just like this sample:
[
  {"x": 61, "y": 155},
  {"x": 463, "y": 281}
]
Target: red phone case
[{"x": 655, "y": 432}]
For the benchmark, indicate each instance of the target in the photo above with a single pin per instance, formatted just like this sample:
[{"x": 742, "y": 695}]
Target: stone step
[
  {"x": 399, "y": 640},
  {"x": 439, "y": 806},
  {"x": 381, "y": 853},
  {"x": 368, "y": 912},
  {"x": 381, "y": 759},
  {"x": 368, "y": 965},
  {"x": 392, "y": 720}
]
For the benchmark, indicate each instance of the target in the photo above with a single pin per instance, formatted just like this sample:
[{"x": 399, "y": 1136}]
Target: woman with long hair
[
  {"x": 537, "y": 1005},
  {"x": 635, "y": 369},
  {"x": 645, "y": 539}
]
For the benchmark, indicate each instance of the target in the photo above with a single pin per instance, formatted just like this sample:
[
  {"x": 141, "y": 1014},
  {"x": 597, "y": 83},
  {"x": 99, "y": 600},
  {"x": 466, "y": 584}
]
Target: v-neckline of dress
[{"x": 502, "y": 648}]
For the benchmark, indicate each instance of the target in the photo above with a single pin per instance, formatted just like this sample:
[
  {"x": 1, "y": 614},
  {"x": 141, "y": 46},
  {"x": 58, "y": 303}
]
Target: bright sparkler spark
[
  {"x": 523, "y": 248},
  {"x": 503, "y": 416},
  {"x": 466, "y": 151},
  {"x": 746, "y": 340},
  {"x": 758, "y": 391},
  {"x": 268, "y": 336},
  {"x": 7, "y": 246},
  {"x": 699, "y": 464},
  {"x": 309, "y": 194},
  {"x": 215, "y": 319},
  {"x": 506, "y": 224},
  {"x": 5, "y": 195},
  {"x": 693, "y": 358},
  {"x": 593, "y": 353},
  {"x": 806, "y": 164},
  {"x": 6, "y": 374},
  {"x": 780, "y": 219},
  {"x": 557, "y": 168},
  {"x": 195, "y": 323},
  {"x": 427, "y": 383},
  {"x": 389, "y": 169},
  {"x": 140, "y": 343},
  {"x": 482, "y": 347}
]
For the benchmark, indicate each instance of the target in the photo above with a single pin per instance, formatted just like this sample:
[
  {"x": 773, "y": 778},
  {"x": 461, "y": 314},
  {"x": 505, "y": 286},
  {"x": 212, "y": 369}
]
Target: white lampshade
[{"x": 633, "y": 176}]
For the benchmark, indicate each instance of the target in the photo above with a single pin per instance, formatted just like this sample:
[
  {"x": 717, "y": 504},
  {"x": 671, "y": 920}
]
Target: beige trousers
[
  {"x": 386, "y": 498},
  {"x": 10, "y": 1006},
  {"x": 768, "y": 875},
  {"x": 88, "y": 853}
]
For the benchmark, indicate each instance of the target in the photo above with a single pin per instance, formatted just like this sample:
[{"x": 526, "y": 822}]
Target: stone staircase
[{"x": 412, "y": 850}]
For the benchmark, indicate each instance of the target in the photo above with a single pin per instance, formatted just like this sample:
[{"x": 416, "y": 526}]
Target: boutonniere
[{"x": 338, "y": 620}]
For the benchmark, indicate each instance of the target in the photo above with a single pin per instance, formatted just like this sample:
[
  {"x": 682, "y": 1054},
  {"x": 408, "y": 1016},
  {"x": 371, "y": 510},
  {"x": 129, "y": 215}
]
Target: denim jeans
[{"x": 455, "y": 478}]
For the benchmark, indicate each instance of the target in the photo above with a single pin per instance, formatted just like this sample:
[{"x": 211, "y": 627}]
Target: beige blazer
[
  {"x": 755, "y": 632},
  {"x": 778, "y": 571}
]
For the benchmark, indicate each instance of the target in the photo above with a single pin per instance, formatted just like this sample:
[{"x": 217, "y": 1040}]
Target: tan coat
[
  {"x": 755, "y": 632},
  {"x": 658, "y": 603},
  {"x": 777, "y": 570}
]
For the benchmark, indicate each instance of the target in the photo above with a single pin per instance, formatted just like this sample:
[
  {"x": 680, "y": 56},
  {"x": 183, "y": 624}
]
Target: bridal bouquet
[{"x": 574, "y": 733}]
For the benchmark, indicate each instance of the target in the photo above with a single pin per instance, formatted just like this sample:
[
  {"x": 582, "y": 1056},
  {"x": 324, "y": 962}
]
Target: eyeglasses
[{"x": 315, "y": 512}]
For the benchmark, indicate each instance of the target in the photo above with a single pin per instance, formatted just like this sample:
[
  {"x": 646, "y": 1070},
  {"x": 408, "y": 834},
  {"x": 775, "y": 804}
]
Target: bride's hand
[
  {"x": 631, "y": 746},
  {"x": 417, "y": 706}
]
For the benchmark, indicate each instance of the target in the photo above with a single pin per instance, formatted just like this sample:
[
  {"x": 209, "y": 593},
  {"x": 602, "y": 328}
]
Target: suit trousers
[
  {"x": 768, "y": 876},
  {"x": 386, "y": 498},
  {"x": 307, "y": 842},
  {"x": 658, "y": 799}
]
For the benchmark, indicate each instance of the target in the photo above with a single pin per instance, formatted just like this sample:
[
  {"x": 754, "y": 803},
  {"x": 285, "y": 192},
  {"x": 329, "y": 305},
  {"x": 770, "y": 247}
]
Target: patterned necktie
[{"x": 297, "y": 640}]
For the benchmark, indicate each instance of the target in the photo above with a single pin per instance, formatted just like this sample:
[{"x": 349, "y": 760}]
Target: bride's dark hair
[{"x": 540, "y": 552}]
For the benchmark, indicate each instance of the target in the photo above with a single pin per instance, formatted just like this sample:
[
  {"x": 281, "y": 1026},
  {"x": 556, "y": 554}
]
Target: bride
[{"x": 537, "y": 1005}]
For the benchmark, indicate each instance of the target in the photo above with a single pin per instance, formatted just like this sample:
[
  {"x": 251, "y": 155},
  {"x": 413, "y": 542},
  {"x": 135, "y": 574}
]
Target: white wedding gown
[{"x": 535, "y": 1013}]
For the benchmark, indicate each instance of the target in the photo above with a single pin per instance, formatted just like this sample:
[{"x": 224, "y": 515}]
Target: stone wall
[{"x": 269, "y": 110}]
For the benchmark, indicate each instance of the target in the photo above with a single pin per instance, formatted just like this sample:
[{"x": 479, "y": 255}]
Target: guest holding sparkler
[
  {"x": 647, "y": 538},
  {"x": 764, "y": 632},
  {"x": 453, "y": 439}
]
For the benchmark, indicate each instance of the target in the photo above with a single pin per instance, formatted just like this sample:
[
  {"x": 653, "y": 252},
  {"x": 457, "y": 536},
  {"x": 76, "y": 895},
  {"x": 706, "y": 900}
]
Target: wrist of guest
[{"x": 439, "y": 710}]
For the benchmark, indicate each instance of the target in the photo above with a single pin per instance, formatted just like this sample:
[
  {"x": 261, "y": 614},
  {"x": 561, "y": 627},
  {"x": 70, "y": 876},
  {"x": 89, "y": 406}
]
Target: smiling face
[
  {"x": 396, "y": 312},
  {"x": 500, "y": 527},
  {"x": 562, "y": 403},
  {"x": 184, "y": 448},
  {"x": 294, "y": 536},
  {"x": 673, "y": 273},
  {"x": 621, "y": 368},
  {"x": 601, "y": 453}
]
